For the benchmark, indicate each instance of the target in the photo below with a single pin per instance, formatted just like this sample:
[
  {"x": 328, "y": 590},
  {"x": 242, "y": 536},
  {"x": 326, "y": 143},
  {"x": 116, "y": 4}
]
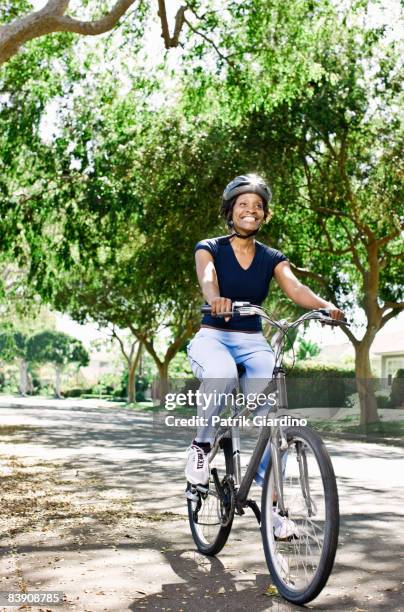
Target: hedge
[
  {"x": 319, "y": 386},
  {"x": 310, "y": 386}
]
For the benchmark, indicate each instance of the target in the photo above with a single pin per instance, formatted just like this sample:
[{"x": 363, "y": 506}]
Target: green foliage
[
  {"x": 306, "y": 349},
  {"x": 314, "y": 101},
  {"x": 180, "y": 367},
  {"x": 13, "y": 345},
  {"x": 104, "y": 214},
  {"x": 29, "y": 82},
  {"x": 383, "y": 401},
  {"x": 142, "y": 383},
  {"x": 269, "y": 52},
  {"x": 10, "y": 10},
  {"x": 56, "y": 348},
  {"x": 319, "y": 387},
  {"x": 77, "y": 392}
]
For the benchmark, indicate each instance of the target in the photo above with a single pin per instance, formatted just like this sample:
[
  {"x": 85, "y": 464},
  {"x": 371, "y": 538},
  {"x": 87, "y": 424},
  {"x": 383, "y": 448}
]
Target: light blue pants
[{"x": 214, "y": 355}]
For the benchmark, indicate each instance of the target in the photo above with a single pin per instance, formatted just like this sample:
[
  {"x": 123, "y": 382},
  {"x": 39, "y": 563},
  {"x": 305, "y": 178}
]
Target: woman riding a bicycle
[{"x": 230, "y": 268}]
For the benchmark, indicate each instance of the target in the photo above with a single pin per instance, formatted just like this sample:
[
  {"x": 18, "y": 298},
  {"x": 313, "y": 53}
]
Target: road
[{"x": 98, "y": 513}]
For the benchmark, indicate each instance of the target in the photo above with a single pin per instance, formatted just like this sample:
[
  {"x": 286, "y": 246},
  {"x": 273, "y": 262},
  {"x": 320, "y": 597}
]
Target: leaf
[{"x": 271, "y": 591}]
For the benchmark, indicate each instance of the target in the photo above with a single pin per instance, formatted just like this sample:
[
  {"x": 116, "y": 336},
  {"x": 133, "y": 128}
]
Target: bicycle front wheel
[
  {"x": 211, "y": 515},
  {"x": 300, "y": 566}
]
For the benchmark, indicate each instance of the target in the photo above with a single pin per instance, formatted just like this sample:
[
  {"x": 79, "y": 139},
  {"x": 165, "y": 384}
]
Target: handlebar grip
[
  {"x": 208, "y": 310},
  {"x": 326, "y": 312}
]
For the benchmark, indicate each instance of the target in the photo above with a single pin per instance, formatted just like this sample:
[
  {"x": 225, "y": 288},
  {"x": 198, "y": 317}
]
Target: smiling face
[{"x": 248, "y": 212}]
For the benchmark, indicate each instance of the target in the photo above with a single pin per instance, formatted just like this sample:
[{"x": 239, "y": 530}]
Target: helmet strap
[{"x": 235, "y": 233}]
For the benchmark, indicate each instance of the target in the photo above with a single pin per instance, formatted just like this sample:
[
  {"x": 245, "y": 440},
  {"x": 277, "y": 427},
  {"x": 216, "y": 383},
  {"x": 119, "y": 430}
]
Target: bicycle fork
[
  {"x": 278, "y": 444},
  {"x": 235, "y": 436},
  {"x": 304, "y": 478}
]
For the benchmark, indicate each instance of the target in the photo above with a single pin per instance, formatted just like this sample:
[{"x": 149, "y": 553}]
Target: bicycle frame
[
  {"x": 278, "y": 444},
  {"x": 272, "y": 433}
]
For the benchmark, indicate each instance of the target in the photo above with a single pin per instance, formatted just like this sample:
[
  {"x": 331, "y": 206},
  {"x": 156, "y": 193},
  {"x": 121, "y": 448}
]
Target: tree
[
  {"x": 132, "y": 356},
  {"x": 302, "y": 91},
  {"x": 21, "y": 27},
  {"x": 117, "y": 244},
  {"x": 344, "y": 216},
  {"x": 326, "y": 130},
  {"x": 13, "y": 346},
  {"x": 58, "y": 349}
]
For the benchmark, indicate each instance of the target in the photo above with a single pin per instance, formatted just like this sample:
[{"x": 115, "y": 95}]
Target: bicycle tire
[
  {"x": 212, "y": 545},
  {"x": 284, "y": 573}
]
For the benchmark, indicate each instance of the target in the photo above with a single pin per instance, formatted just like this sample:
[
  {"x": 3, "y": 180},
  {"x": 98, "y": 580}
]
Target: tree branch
[
  {"x": 309, "y": 248},
  {"x": 52, "y": 18},
  {"x": 310, "y": 274},
  {"x": 389, "y": 237},
  {"x": 335, "y": 212},
  {"x": 121, "y": 344},
  {"x": 174, "y": 346},
  {"x": 57, "y": 7},
  {"x": 388, "y": 305},
  {"x": 138, "y": 354},
  {"x": 210, "y": 41},
  {"x": 331, "y": 249},
  {"x": 148, "y": 344},
  {"x": 353, "y": 250},
  {"x": 350, "y": 335},
  {"x": 98, "y": 26},
  {"x": 179, "y": 22},
  {"x": 393, "y": 313}
]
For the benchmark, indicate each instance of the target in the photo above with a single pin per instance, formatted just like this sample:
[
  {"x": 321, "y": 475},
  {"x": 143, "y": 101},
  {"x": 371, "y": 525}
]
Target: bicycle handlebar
[{"x": 245, "y": 309}]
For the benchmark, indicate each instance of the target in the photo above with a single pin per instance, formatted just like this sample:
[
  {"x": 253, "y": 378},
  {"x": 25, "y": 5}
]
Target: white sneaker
[
  {"x": 197, "y": 468},
  {"x": 284, "y": 528}
]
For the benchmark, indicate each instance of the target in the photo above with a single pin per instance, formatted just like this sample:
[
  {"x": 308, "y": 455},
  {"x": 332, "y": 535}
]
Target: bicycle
[{"x": 299, "y": 484}]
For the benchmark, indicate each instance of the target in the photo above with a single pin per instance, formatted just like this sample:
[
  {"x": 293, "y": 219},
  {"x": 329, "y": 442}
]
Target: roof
[{"x": 389, "y": 344}]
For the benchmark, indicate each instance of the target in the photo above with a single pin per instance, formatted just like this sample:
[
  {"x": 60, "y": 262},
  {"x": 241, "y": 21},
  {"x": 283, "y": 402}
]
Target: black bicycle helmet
[{"x": 247, "y": 183}]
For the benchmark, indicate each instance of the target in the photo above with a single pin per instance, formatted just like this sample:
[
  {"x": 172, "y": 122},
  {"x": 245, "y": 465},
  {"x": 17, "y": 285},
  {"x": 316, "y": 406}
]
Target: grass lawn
[{"x": 350, "y": 424}]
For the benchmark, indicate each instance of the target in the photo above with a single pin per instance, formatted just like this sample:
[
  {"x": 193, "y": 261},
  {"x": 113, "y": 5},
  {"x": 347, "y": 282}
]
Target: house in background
[
  {"x": 386, "y": 355},
  {"x": 389, "y": 348},
  {"x": 102, "y": 362}
]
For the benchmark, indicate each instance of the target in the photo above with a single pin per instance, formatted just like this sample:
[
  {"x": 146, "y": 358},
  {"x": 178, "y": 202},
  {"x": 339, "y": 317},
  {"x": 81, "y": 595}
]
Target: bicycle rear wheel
[
  {"x": 300, "y": 567},
  {"x": 211, "y": 516}
]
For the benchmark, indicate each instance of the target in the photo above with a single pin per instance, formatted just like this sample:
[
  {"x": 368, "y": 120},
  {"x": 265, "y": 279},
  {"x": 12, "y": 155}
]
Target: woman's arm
[
  {"x": 299, "y": 293},
  {"x": 205, "y": 269}
]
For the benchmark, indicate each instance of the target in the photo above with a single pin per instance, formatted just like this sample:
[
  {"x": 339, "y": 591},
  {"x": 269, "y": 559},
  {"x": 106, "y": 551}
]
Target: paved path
[{"x": 99, "y": 459}]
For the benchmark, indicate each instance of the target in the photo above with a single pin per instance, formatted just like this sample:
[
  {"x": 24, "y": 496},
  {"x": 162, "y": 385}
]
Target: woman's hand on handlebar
[
  {"x": 219, "y": 305},
  {"x": 335, "y": 313}
]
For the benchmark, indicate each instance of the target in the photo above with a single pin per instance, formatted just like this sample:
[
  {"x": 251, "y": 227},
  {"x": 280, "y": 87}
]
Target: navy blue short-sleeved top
[{"x": 237, "y": 284}]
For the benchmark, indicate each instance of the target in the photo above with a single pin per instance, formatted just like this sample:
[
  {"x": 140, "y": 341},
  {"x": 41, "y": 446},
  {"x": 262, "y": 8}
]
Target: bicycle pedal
[
  {"x": 287, "y": 539},
  {"x": 192, "y": 495},
  {"x": 202, "y": 488}
]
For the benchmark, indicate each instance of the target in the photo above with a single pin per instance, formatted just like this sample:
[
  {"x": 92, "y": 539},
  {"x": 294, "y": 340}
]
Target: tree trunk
[
  {"x": 163, "y": 380},
  {"x": 162, "y": 387},
  {"x": 132, "y": 383},
  {"x": 364, "y": 385},
  {"x": 133, "y": 364},
  {"x": 58, "y": 382},
  {"x": 23, "y": 377}
]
